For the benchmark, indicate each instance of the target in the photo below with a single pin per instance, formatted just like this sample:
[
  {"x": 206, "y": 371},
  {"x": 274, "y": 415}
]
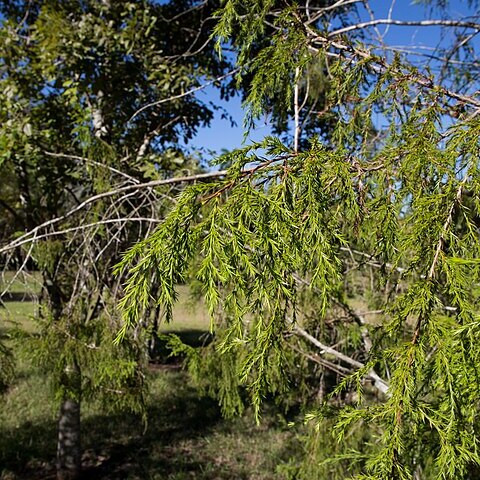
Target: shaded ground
[{"x": 185, "y": 438}]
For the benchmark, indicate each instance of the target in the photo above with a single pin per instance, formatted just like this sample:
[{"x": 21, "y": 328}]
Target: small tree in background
[
  {"x": 93, "y": 104},
  {"x": 357, "y": 249}
]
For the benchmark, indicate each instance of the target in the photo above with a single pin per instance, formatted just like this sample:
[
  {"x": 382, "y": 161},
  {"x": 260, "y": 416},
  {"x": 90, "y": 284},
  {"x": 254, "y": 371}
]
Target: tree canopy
[{"x": 84, "y": 122}]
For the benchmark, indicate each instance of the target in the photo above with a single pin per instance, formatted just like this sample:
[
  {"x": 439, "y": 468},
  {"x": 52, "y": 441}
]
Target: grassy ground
[{"x": 186, "y": 438}]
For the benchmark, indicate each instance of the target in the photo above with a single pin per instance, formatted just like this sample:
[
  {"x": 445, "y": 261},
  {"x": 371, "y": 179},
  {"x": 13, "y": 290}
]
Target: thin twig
[
  {"x": 184, "y": 94},
  {"x": 296, "y": 106}
]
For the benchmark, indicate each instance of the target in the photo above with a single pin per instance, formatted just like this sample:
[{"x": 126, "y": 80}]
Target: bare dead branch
[
  {"x": 405, "y": 23},
  {"x": 154, "y": 183},
  {"x": 378, "y": 382},
  {"x": 297, "y": 107}
]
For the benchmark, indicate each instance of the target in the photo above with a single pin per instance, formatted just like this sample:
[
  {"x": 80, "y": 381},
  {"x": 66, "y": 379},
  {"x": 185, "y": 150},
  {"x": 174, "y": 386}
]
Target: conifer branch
[
  {"x": 444, "y": 231},
  {"x": 34, "y": 232},
  {"x": 381, "y": 65},
  {"x": 438, "y": 250}
]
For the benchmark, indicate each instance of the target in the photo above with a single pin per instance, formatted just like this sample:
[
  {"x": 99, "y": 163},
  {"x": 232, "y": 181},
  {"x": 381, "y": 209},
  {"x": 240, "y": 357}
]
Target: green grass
[
  {"x": 189, "y": 313},
  {"x": 18, "y": 315},
  {"x": 186, "y": 437},
  {"x": 27, "y": 283},
  {"x": 19, "y": 304}
]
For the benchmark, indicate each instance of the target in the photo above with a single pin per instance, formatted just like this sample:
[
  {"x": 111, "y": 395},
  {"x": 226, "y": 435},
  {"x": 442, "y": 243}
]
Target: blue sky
[{"x": 221, "y": 135}]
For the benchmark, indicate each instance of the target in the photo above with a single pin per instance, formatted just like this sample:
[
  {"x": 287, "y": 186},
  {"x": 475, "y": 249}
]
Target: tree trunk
[{"x": 68, "y": 444}]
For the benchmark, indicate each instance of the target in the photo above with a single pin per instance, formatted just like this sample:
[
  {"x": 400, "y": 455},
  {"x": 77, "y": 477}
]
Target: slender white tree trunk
[{"x": 69, "y": 452}]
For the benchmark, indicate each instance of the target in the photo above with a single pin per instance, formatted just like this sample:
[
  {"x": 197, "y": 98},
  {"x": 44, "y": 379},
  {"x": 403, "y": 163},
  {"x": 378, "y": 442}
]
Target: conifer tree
[{"x": 301, "y": 230}]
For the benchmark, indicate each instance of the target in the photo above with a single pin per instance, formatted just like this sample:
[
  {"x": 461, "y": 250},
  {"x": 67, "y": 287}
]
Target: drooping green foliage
[
  {"x": 268, "y": 51},
  {"x": 384, "y": 214}
]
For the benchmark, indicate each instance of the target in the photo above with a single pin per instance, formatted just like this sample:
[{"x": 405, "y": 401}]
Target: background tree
[
  {"x": 281, "y": 245},
  {"x": 93, "y": 104}
]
